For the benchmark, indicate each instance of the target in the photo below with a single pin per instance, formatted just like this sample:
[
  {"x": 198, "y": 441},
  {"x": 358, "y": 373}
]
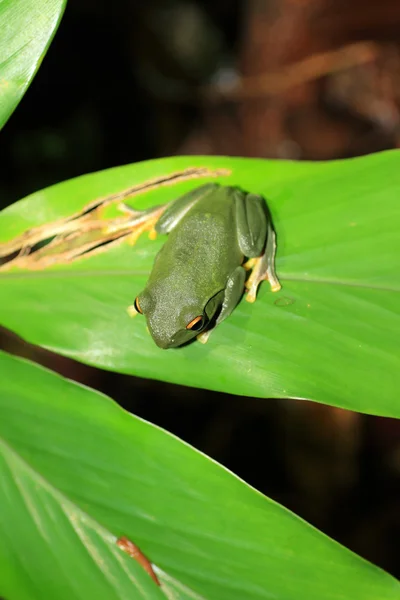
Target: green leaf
[
  {"x": 49, "y": 548},
  {"x": 330, "y": 334},
  {"x": 26, "y": 30},
  {"x": 76, "y": 470}
]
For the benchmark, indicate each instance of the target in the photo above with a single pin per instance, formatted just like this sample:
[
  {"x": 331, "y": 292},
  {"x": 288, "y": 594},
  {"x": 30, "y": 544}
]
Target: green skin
[{"x": 198, "y": 271}]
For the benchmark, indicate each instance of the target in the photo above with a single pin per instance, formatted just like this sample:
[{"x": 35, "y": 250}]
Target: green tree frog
[{"x": 199, "y": 275}]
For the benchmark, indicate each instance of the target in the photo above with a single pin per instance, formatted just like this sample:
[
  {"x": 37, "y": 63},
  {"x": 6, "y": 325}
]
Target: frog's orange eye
[
  {"x": 196, "y": 324},
  {"x": 137, "y": 305}
]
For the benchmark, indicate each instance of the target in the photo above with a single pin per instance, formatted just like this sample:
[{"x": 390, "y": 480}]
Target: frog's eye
[
  {"x": 195, "y": 324},
  {"x": 137, "y": 305}
]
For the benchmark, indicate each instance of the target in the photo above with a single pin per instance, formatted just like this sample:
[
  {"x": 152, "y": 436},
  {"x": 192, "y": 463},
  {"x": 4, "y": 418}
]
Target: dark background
[{"x": 127, "y": 80}]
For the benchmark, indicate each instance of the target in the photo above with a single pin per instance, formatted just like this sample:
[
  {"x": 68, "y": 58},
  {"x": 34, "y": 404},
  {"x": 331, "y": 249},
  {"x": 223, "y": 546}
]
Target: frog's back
[{"x": 202, "y": 251}]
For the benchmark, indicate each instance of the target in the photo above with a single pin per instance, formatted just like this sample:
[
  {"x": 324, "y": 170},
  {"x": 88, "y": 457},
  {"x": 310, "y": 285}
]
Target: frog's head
[{"x": 171, "y": 326}]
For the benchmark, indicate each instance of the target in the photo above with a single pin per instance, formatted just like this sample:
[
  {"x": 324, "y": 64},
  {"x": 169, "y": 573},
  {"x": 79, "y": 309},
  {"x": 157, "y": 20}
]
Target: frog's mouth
[{"x": 181, "y": 338}]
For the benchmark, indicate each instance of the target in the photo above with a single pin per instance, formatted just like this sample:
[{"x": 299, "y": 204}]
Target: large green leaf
[
  {"x": 330, "y": 334},
  {"x": 77, "y": 470},
  {"x": 49, "y": 548},
  {"x": 26, "y": 29}
]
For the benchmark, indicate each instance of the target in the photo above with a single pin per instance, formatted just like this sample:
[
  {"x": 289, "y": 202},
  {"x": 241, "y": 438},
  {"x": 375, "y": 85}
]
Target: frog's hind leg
[
  {"x": 137, "y": 221},
  {"x": 158, "y": 219},
  {"x": 233, "y": 292},
  {"x": 177, "y": 209},
  {"x": 263, "y": 267},
  {"x": 251, "y": 223},
  {"x": 257, "y": 241}
]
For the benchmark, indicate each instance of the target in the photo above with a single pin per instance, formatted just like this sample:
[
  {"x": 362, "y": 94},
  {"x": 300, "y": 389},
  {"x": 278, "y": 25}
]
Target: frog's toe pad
[
  {"x": 203, "y": 337},
  {"x": 131, "y": 310},
  {"x": 251, "y": 297},
  {"x": 275, "y": 286}
]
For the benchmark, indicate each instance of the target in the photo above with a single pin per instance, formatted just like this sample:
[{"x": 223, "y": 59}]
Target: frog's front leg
[
  {"x": 257, "y": 241},
  {"x": 233, "y": 292}
]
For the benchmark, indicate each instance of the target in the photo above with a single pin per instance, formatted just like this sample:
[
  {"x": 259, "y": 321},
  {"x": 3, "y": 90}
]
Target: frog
[{"x": 216, "y": 234}]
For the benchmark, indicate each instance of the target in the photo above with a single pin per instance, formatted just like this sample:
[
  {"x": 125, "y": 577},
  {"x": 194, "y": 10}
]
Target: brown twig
[
  {"x": 310, "y": 68},
  {"x": 134, "y": 552}
]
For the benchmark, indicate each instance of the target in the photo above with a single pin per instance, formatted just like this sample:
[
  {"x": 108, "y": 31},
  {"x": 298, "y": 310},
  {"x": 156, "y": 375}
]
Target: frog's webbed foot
[
  {"x": 263, "y": 268},
  {"x": 135, "y": 222}
]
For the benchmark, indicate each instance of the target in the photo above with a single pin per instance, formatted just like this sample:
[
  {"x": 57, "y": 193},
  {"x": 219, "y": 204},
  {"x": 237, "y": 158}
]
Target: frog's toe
[
  {"x": 275, "y": 286},
  {"x": 262, "y": 271},
  {"x": 203, "y": 337},
  {"x": 131, "y": 310}
]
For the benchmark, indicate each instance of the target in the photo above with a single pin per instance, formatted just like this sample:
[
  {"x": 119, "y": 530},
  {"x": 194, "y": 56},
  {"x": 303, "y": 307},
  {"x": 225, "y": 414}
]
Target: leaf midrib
[{"x": 135, "y": 273}]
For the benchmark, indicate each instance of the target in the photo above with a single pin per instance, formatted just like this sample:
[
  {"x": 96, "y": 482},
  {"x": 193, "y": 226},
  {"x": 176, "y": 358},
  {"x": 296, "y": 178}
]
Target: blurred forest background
[{"x": 129, "y": 80}]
